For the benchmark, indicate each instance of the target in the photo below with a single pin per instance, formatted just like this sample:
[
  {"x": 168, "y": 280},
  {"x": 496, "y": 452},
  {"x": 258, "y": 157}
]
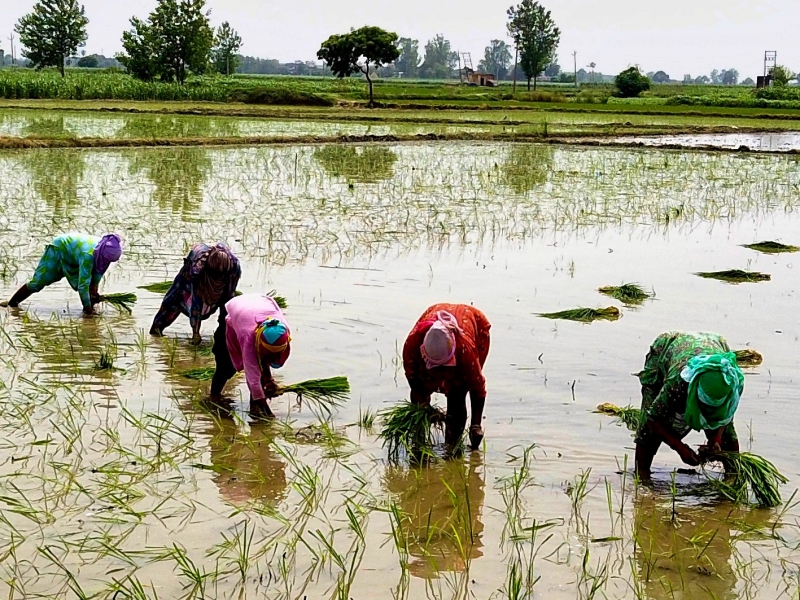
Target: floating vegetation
[
  {"x": 748, "y": 358},
  {"x": 585, "y": 315},
  {"x": 629, "y": 416},
  {"x": 409, "y": 427},
  {"x": 736, "y": 276},
  {"x": 199, "y": 373},
  {"x": 123, "y": 302},
  {"x": 747, "y": 473},
  {"x": 771, "y": 247},
  {"x": 628, "y": 293}
]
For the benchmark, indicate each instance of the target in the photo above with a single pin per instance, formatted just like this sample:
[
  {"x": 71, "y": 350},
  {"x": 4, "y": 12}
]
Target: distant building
[{"x": 481, "y": 79}]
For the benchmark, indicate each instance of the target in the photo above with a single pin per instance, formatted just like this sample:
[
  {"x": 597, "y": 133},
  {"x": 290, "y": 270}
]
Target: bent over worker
[
  {"x": 690, "y": 381},
  {"x": 445, "y": 352}
]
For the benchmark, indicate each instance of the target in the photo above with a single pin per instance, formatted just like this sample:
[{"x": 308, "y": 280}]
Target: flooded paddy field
[
  {"x": 758, "y": 142},
  {"x": 127, "y": 482}
]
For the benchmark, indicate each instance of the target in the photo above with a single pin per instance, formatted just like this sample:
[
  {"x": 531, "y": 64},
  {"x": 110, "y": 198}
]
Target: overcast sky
[{"x": 678, "y": 36}]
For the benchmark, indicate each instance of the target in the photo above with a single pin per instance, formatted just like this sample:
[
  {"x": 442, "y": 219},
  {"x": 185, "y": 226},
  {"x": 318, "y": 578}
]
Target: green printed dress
[
  {"x": 70, "y": 255},
  {"x": 664, "y": 391}
]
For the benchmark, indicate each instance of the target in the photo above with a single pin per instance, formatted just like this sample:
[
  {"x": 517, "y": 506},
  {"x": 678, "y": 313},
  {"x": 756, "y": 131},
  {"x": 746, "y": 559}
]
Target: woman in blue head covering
[{"x": 690, "y": 381}]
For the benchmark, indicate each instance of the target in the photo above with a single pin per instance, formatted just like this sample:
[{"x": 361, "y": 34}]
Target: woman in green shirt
[
  {"x": 80, "y": 258},
  {"x": 690, "y": 382}
]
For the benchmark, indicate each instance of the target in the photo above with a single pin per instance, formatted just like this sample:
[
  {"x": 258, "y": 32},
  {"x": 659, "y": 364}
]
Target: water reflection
[
  {"x": 49, "y": 126},
  {"x": 692, "y": 554},
  {"x": 442, "y": 505},
  {"x": 55, "y": 176},
  {"x": 177, "y": 174},
  {"x": 361, "y": 164},
  {"x": 148, "y": 126},
  {"x": 527, "y": 166}
]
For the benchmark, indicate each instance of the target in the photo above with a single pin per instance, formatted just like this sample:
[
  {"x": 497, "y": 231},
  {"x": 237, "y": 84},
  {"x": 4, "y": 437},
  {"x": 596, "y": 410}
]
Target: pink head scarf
[
  {"x": 107, "y": 251},
  {"x": 439, "y": 346}
]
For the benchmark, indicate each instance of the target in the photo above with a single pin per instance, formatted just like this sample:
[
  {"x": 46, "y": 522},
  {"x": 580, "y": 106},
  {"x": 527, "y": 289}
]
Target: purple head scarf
[{"x": 107, "y": 251}]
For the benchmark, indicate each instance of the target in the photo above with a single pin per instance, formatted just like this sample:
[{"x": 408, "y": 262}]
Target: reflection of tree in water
[
  {"x": 362, "y": 164},
  {"x": 49, "y": 126},
  {"x": 691, "y": 554},
  {"x": 527, "y": 166},
  {"x": 178, "y": 175},
  {"x": 149, "y": 126},
  {"x": 438, "y": 502},
  {"x": 55, "y": 176}
]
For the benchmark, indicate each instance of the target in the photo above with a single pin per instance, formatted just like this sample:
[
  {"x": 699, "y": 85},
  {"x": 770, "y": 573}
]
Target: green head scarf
[{"x": 715, "y": 387}]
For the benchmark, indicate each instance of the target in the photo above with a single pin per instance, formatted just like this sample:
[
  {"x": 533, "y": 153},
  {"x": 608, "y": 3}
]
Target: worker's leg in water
[
  {"x": 22, "y": 294},
  {"x": 456, "y": 417},
  {"x": 646, "y": 449},
  {"x": 224, "y": 366},
  {"x": 169, "y": 311},
  {"x": 476, "y": 428}
]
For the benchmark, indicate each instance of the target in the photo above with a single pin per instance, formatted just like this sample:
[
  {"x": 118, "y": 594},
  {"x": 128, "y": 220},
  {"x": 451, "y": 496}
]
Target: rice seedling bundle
[
  {"x": 585, "y": 315},
  {"x": 627, "y": 293},
  {"x": 409, "y": 427},
  {"x": 123, "y": 302},
  {"x": 736, "y": 276},
  {"x": 747, "y": 473},
  {"x": 771, "y": 247},
  {"x": 748, "y": 358},
  {"x": 326, "y": 394}
]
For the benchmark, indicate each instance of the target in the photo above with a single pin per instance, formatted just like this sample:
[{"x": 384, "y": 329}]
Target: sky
[{"x": 677, "y": 36}]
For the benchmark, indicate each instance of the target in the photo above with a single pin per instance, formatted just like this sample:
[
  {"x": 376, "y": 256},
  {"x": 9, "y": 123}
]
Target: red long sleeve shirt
[{"x": 472, "y": 348}]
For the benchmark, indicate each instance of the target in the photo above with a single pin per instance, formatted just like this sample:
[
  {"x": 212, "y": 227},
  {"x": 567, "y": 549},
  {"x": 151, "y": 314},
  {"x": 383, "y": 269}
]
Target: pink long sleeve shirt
[{"x": 245, "y": 313}]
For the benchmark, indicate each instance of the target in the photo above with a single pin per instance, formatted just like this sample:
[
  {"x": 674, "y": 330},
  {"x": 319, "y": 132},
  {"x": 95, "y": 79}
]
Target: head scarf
[
  {"x": 272, "y": 342},
  {"x": 439, "y": 345},
  {"x": 715, "y": 386},
  {"x": 214, "y": 274},
  {"x": 107, "y": 251}
]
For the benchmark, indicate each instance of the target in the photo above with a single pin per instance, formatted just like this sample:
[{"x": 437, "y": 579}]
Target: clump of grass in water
[
  {"x": 736, "y": 276},
  {"x": 627, "y": 293},
  {"x": 585, "y": 315},
  {"x": 106, "y": 360},
  {"x": 123, "y": 302},
  {"x": 769, "y": 247},
  {"x": 199, "y": 373},
  {"x": 408, "y": 427}
]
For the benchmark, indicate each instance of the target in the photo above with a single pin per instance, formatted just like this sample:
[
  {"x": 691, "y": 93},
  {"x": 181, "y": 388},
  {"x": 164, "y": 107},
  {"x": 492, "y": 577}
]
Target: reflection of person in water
[
  {"x": 690, "y": 555},
  {"x": 245, "y": 465},
  {"x": 436, "y": 501}
]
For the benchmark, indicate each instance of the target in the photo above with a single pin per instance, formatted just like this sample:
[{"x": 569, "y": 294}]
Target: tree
[
  {"x": 749, "y": 81},
  {"x": 553, "y": 70},
  {"x": 687, "y": 79},
  {"x": 440, "y": 61},
  {"x": 52, "y": 32},
  {"x": 496, "y": 59},
  {"x": 631, "y": 82},
  {"x": 702, "y": 80},
  {"x": 535, "y": 36},
  {"x": 729, "y": 76},
  {"x": 660, "y": 77},
  {"x": 225, "y": 53},
  {"x": 781, "y": 75},
  {"x": 175, "y": 39},
  {"x": 354, "y": 52},
  {"x": 408, "y": 62},
  {"x": 88, "y": 62},
  {"x": 715, "y": 77}
]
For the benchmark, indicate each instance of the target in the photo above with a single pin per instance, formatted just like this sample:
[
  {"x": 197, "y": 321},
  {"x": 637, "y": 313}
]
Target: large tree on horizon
[
  {"x": 535, "y": 37},
  {"x": 362, "y": 50},
  {"x": 408, "y": 62},
  {"x": 225, "y": 53},
  {"x": 52, "y": 32},
  {"x": 440, "y": 60},
  {"x": 496, "y": 59}
]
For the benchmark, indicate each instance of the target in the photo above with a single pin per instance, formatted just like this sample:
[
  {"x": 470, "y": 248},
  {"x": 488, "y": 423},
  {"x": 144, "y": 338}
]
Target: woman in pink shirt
[{"x": 253, "y": 336}]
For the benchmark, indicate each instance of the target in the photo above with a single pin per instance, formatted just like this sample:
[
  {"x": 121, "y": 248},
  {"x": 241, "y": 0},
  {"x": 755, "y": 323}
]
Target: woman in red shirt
[{"x": 445, "y": 353}]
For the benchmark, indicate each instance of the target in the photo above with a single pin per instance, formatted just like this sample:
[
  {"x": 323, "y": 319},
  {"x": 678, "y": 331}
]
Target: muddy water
[{"x": 360, "y": 241}]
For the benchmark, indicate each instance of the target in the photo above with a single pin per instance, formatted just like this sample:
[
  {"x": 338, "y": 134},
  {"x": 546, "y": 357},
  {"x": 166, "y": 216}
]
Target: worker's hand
[
  {"x": 688, "y": 456},
  {"x": 709, "y": 451},
  {"x": 96, "y": 299},
  {"x": 270, "y": 388},
  {"x": 475, "y": 436}
]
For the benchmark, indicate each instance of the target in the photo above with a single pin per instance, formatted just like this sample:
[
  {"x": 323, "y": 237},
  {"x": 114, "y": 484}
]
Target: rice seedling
[
  {"x": 748, "y": 358},
  {"x": 326, "y": 394},
  {"x": 585, "y": 315},
  {"x": 736, "y": 276},
  {"x": 106, "y": 360},
  {"x": 747, "y": 474},
  {"x": 769, "y": 247},
  {"x": 366, "y": 418},
  {"x": 628, "y": 293},
  {"x": 628, "y": 416},
  {"x": 123, "y": 301},
  {"x": 409, "y": 428},
  {"x": 199, "y": 373},
  {"x": 160, "y": 287}
]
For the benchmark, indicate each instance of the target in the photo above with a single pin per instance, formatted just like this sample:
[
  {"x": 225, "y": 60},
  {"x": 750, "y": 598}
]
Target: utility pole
[
  {"x": 13, "y": 57},
  {"x": 516, "y": 56},
  {"x": 575, "y": 66}
]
